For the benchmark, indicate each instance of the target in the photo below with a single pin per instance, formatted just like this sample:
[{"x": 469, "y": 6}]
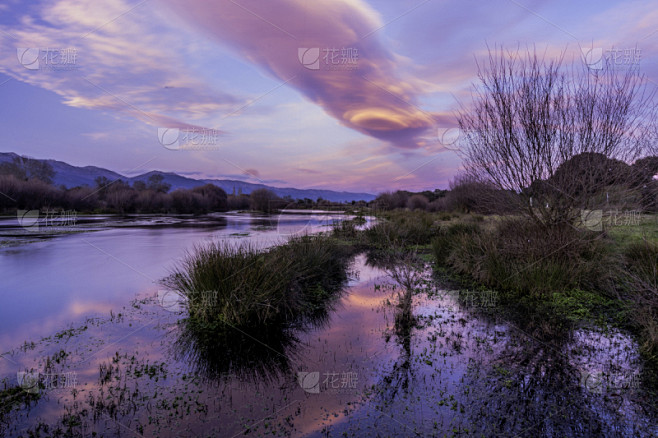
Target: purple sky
[{"x": 344, "y": 94}]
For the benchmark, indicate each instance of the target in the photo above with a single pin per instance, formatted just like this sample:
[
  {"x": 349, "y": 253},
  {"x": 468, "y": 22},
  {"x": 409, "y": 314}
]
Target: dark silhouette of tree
[
  {"x": 11, "y": 168},
  {"x": 645, "y": 169},
  {"x": 417, "y": 202},
  {"x": 391, "y": 201},
  {"x": 214, "y": 198},
  {"x": 155, "y": 183},
  {"x": 263, "y": 200},
  {"x": 25, "y": 168}
]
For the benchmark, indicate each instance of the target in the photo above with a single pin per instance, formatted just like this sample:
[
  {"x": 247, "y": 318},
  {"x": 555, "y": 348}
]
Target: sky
[{"x": 357, "y": 95}]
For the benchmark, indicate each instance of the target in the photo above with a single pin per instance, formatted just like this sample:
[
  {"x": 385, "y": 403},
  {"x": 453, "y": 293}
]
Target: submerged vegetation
[{"x": 256, "y": 315}]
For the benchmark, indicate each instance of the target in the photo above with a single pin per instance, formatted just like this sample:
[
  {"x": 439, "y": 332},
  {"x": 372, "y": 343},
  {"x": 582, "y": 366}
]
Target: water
[
  {"x": 87, "y": 304},
  {"x": 62, "y": 278}
]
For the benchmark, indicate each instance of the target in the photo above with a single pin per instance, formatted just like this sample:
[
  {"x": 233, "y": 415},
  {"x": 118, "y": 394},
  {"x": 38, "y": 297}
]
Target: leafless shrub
[{"x": 547, "y": 132}]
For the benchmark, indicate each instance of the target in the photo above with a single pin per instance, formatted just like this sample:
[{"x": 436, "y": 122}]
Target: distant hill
[{"x": 73, "y": 176}]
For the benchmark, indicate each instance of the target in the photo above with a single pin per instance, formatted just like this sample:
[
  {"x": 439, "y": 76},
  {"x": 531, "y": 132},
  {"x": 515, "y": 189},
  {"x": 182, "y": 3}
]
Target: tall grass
[
  {"x": 239, "y": 285},
  {"x": 402, "y": 228},
  {"x": 448, "y": 236},
  {"x": 642, "y": 278},
  {"x": 519, "y": 257}
]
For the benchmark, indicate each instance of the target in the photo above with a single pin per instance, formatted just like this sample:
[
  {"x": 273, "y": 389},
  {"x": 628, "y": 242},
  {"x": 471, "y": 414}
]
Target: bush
[
  {"x": 239, "y": 202},
  {"x": 263, "y": 200},
  {"x": 213, "y": 198},
  {"x": 418, "y": 202},
  {"x": 346, "y": 229},
  {"x": 401, "y": 229},
  {"x": 81, "y": 199},
  {"x": 391, "y": 201},
  {"x": 33, "y": 194}
]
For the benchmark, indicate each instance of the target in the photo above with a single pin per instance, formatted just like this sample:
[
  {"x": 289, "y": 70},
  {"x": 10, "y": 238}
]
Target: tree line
[{"x": 27, "y": 183}]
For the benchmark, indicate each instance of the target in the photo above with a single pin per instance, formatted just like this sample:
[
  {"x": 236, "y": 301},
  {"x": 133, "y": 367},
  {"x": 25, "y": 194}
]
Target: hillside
[{"x": 72, "y": 176}]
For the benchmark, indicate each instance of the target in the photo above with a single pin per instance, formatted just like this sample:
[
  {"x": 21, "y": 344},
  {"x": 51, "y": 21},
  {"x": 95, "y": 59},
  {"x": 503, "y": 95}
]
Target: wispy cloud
[
  {"x": 363, "y": 92},
  {"x": 120, "y": 61}
]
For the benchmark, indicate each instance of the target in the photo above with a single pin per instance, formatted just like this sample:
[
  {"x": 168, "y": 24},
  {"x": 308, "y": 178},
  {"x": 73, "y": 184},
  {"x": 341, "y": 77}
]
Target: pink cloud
[{"x": 356, "y": 84}]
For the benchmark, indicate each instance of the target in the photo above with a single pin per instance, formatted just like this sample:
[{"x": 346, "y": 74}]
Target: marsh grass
[
  {"x": 242, "y": 286},
  {"x": 401, "y": 229},
  {"x": 249, "y": 353},
  {"x": 518, "y": 257},
  {"x": 642, "y": 279},
  {"x": 448, "y": 236}
]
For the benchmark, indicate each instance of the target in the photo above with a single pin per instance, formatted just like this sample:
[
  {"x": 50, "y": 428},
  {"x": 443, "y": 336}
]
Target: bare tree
[{"x": 547, "y": 131}]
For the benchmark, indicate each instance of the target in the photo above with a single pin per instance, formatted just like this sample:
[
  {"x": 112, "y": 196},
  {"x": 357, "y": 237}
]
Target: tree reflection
[{"x": 407, "y": 272}]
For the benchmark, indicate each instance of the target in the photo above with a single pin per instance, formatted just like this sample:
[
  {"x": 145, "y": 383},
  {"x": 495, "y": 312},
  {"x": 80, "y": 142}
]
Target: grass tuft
[{"x": 239, "y": 285}]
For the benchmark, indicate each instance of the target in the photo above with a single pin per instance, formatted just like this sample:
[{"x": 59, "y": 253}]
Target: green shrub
[
  {"x": 402, "y": 228},
  {"x": 346, "y": 229}
]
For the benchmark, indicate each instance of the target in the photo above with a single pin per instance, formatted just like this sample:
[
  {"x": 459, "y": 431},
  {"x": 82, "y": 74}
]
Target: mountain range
[{"x": 73, "y": 176}]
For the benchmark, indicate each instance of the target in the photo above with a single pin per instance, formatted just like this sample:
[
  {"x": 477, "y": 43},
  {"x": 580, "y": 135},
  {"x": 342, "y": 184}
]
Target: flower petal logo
[
  {"x": 28, "y": 57},
  {"x": 309, "y": 57},
  {"x": 449, "y": 138},
  {"x": 29, "y": 382},
  {"x": 593, "y": 382},
  {"x": 169, "y": 300},
  {"x": 452, "y": 298},
  {"x": 592, "y": 219},
  {"x": 309, "y": 381},
  {"x": 169, "y": 138},
  {"x": 593, "y": 58},
  {"x": 28, "y": 219}
]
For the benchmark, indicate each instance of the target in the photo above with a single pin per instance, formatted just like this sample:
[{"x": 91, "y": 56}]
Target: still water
[
  {"x": 80, "y": 314},
  {"x": 65, "y": 275}
]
